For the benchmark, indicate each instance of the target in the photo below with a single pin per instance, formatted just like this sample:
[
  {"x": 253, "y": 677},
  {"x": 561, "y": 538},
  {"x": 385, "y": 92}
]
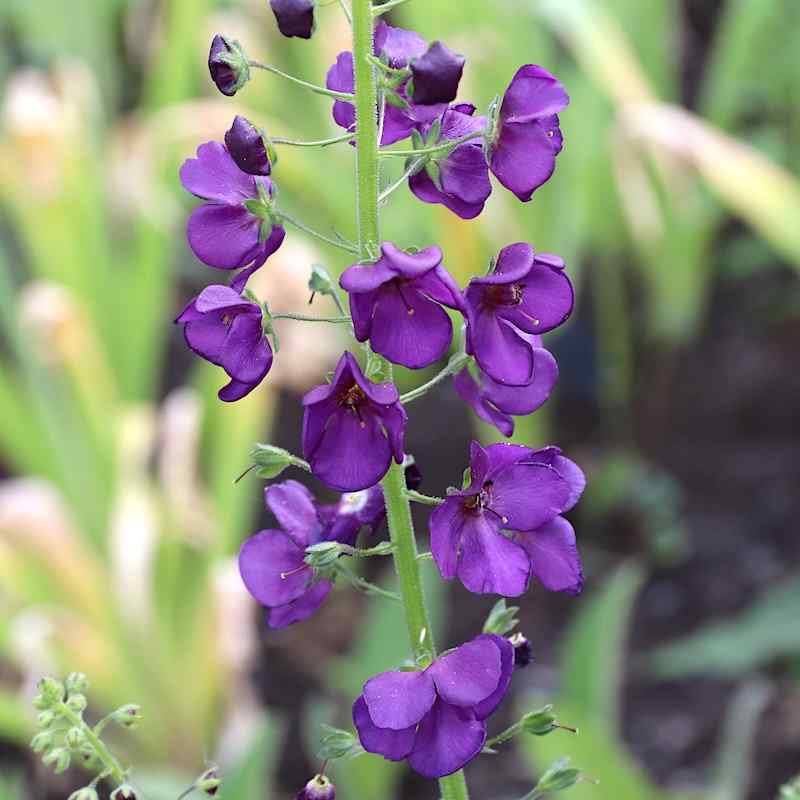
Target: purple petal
[
  {"x": 263, "y": 558},
  {"x": 394, "y": 420},
  {"x": 294, "y": 17},
  {"x": 294, "y": 508},
  {"x": 447, "y": 739},
  {"x": 221, "y": 298},
  {"x": 361, "y": 313},
  {"x": 521, "y": 400},
  {"x": 574, "y": 477},
  {"x": 213, "y": 175},
  {"x": 503, "y": 454},
  {"x": 225, "y": 237},
  {"x": 547, "y": 300},
  {"x": 528, "y": 495},
  {"x": 488, "y": 706},
  {"x": 398, "y": 700},
  {"x": 394, "y": 745},
  {"x": 399, "y": 45},
  {"x": 446, "y": 524},
  {"x": 397, "y": 124},
  {"x": 411, "y": 265},
  {"x": 554, "y": 556},
  {"x": 408, "y": 328},
  {"x": 206, "y": 337},
  {"x": 469, "y": 674},
  {"x": 500, "y": 351},
  {"x": 437, "y": 74},
  {"x": 468, "y": 390},
  {"x": 425, "y": 189},
  {"x": 298, "y": 610},
  {"x": 523, "y": 158},
  {"x": 533, "y": 93},
  {"x": 465, "y": 174},
  {"x": 246, "y": 355},
  {"x": 490, "y": 563},
  {"x": 352, "y": 454},
  {"x": 235, "y": 390}
]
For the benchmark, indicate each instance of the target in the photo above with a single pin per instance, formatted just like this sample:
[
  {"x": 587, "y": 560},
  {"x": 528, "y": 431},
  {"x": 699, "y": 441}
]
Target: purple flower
[
  {"x": 436, "y": 74},
  {"x": 396, "y": 46},
  {"x": 225, "y": 329},
  {"x": 294, "y": 17},
  {"x": 460, "y": 176},
  {"x": 228, "y": 65},
  {"x": 436, "y": 718},
  {"x": 497, "y": 403},
  {"x": 396, "y": 303},
  {"x": 236, "y": 227},
  {"x": 272, "y": 562},
  {"x": 318, "y": 788},
  {"x": 505, "y": 526},
  {"x": 352, "y": 427},
  {"x": 247, "y": 148},
  {"x": 528, "y": 139},
  {"x": 525, "y": 293}
]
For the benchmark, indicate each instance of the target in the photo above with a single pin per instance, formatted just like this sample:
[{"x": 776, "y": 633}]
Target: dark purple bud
[
  {"x": 413, "y": 477},
  {"x": 318, "y": 788},
  {"x": 247, "y": 147},
  {"x": 294, "y": 17},
  {"x": 228, "y": 65},
  {"x": 523, "y": 650},
  {"x": 209, "y": 782},
  {"x": 436, "y": 75}
]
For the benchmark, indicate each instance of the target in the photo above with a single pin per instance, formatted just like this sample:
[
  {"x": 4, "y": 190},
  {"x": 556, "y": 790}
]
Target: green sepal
[{"x": 502, "y": 619}]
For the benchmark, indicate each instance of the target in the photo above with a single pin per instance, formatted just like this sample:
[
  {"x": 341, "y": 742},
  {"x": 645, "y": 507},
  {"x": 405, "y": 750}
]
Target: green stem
[
  {"x": 453, "y": 365},
  {"x": 309, "y": 318},
  {"x": 106, "y": 757},
  {"x": 436, "y": 148},
  {"x": 311, "y": 232},
  {"x": 401, "y": 180},
  {"x": 425, "y": 499},
  {"x": 508, "y": 733},
  {"x": 345, "y": 137},
  {"x": 387, "y": 6},
  {"x": 313, "y": 86}
]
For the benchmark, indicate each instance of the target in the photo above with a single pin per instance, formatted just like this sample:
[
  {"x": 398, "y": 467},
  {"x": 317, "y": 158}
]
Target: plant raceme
[{"x": 503, "y": 526}]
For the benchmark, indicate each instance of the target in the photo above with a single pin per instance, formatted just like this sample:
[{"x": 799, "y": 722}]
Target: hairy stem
[
  {"x": 398, "y": 510},
  {"x": 314, "y": 88},
  {"x": 112, "y": 767}
]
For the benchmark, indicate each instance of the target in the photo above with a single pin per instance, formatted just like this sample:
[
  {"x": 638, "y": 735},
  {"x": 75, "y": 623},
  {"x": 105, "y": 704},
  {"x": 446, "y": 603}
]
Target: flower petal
[
  {"x": 394, "y": 745},
  {"x": 521, "y": 400},
  {"x": 500, "y": 351},
  {"x": 528, "y": 495},
  {"x": 263, "y": 558},
  {"x": 213, "y": 175},
  {"x": 225, "y": 237},
  {"x": 246, "y": 355},
  {"x": 206, "y": 337},
  {"x": 523, "y": 158},
  {"x": 533, "y": 93},
  {"x": 298, "y": 610},
  {"x": 447, "y": 738},
  {"x": 547, "y": 300},
  {"x": 468, "y": 390},
  {"x": 294, "y": 508},
  {"x": 469, "y": 674},
  {"x": 235, "y": 390},
  {"x": 554, "y": 556},
  {"x": 446, "y": 523},
  {"x": 487, "y": 707},
  {"x": 398, "y": 700}
]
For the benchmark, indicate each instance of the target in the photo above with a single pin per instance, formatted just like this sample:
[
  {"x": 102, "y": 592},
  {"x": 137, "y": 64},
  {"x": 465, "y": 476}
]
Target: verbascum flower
[
  {"x": 294, "y": 17},
  {"x": 228, "y": 65},
  {"x": 247, "y": 147},
  {"x": 436, "y": 75}
]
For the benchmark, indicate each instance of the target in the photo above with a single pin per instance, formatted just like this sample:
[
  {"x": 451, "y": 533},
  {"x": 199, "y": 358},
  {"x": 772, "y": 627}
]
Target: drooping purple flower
[
  {"x": 225, "y": 328},
  {"x": 525, "y": 293},
  {"x": 397, "y": 47},
  {"x": 497, "y": 403},
  {"x": 247, "y": 147},
  {"x": 352, "y": 428},
  {"x": 528, "y": 139},
  {"x": 318, "y": 788},
  {"x": 228, "y": 65},
  {"x": 462, "y": 175},
  {"x": 436, "y": 718},
  {"x": 294, "y": 17},
  {"x": 272, "y": 562},
  {"x": 396, "y": 304},
  {"x": 236, "y": 227},
  {"x": 505, "y": 526},
  {"x": 436, "y": 75}
]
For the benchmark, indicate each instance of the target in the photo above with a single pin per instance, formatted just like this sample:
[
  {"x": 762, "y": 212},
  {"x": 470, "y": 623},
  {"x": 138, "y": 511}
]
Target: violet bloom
[
  {"x": 525, "y": 293},
  {"x": 397, "y": 47},
  {"x": 228, "y": 65},
  {"x": 505, "y": 526},
  {"x": 318, "y": 788},
  {"x": 436, "y": 718},
  {"x": 497, "y": 403},
  {"x": 352, "y": 427},
  {"x": 272, "y": 562},
  {"x": 247, "y": 148},
  {"x": 462, "y": 174},
  {"x": 436, "y": 75},
  {"x": 236, "y": 226},
  {"x": 528, "y": 139},
  {"x": 224, "y": 328},
  {"x": 294, "y": 17},
  {"x": 396, "y": 304}
]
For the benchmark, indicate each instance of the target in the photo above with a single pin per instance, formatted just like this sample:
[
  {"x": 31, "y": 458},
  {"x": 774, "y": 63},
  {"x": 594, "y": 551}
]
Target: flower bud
[
  {"x": 541, "y": 722},
  {"x": 323, "y": 554},
  {"x": 129, "y": 716},
  {"x": 318, "y": 788},
  {"x": 248, "y": 147},
  {"x": 123, "y": 792},
  {"x": 74, "y": 738},
  {"x": 76, "y": 703},
  {"x": 46, "y": 719},
  {"x": 294, "y": 17},
  {"x": 209, "y": 782},
  {"x": 557, "y": 777},
  {"x": 270, "y": 460},
  {"x": 436, "y": 75},
  {"x": 42, "y": 741},
  {"x": 76, "y": 682},
  {"x": 228, "y": 65},
  {"x": 502, "y": 619},
  {"x": 59, "y": 758},
  {"x": 413, "y": 477},
  {"x": 523, "y": 650},
  {"x": 87, "y": 793},
  {"x": 51, "y": 691},
  {"x": 320, "y": 281}
]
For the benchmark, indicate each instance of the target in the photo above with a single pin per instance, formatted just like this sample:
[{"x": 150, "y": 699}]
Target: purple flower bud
[
  {"x": 352, "y": 428},
  {"x": 523, "y": 650},
  {"x": 247, "y": 147},
  {"x": 294, "y": 17},
  {"x": 436, "y": 75},
  {"x": 506, "y": 525},
  {"x": 228, "y": 65},
  {"x": 318, "y": 788},
  {"x": 436, "y": 718},
  {"x": 224, "y": 328}
]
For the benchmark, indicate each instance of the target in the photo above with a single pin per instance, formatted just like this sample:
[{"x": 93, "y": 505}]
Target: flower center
[
  {"x": 481, "y": 502},
  {"x": 351, "y": 399},
  {"x": 509, "y": 294}
]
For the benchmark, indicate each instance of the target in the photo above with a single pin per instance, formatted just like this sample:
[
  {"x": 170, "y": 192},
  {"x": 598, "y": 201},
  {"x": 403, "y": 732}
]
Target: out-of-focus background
[{"x": 676, "y": 205}]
